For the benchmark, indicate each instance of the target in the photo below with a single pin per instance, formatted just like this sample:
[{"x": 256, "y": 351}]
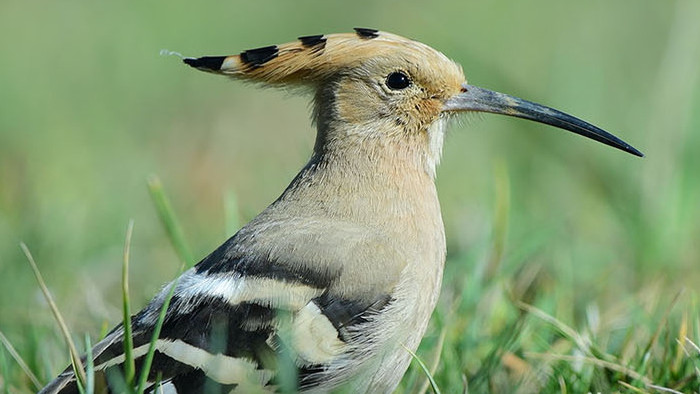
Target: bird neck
[{"x": 363, "y": 177}]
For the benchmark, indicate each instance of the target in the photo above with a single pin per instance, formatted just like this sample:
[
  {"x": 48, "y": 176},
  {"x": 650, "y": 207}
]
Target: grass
[
  {"x": 571, "y": 267},
  {"x": 528, "y": 349},
  {"x": 129, "y": 364},
  {"x": 74, "y": 355}
]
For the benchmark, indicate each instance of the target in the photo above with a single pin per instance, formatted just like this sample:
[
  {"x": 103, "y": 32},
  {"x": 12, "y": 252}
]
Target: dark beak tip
[{"x": 632, "y": 150}]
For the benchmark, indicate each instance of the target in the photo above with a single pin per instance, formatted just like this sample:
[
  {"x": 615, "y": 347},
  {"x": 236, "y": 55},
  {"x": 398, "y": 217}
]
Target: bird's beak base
[{"x": 478, "y": 99}]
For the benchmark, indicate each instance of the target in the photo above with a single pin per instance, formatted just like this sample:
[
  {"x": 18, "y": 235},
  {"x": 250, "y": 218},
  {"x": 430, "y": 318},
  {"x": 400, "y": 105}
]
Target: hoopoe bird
[{"x": 344, "y": 269}]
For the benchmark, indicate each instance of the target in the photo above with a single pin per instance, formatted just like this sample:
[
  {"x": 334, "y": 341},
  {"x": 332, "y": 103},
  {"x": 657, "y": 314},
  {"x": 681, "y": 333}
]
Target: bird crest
[{"x": 315, "y": 58}]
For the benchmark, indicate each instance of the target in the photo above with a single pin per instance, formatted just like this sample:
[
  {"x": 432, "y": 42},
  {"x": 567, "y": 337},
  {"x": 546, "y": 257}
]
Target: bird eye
[{"x": 397, "y": 80}]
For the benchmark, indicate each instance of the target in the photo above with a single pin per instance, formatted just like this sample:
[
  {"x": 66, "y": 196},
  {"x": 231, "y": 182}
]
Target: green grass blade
[
  {"x": 159, "y": 383},
  {"x": 90, "y": 368},
  {"x": 593, "y": 361},
  {"x": 436, "y": 359},
  {"x": 148, "y": 360},
  {"x": 632, "y": 388},
  {"x": 18, "y": 359},
  {"x": 425, "y": 369},
  {"x": 4, "y": 373},
  {"x": 643, "y": 363},
  {"x": 169, "y": 220},
  {"x": 286, "y": 367},
  {"x": 74, "y": 356},
  {"x": 587, "y": 347},
  {"x": 129, "y": 364},
  {"x": 232, "y": 218}
]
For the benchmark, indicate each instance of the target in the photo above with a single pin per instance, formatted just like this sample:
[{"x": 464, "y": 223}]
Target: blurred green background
[{"x": 89, "y": 109}]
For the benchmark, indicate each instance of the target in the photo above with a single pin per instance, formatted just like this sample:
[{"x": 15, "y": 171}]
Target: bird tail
[{"x": 65, "y": 383}]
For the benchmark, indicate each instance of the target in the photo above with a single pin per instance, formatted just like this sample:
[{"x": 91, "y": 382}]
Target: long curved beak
[{"x": 478, "y": 99}]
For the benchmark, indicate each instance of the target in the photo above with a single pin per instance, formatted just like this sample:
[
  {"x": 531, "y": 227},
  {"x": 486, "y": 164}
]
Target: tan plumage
[{"x": 345, "y": 266}]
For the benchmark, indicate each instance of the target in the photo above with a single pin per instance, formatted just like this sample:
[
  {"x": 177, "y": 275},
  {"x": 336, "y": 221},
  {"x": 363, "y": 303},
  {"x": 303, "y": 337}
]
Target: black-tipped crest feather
[
  {"x": 259, "y": 56},
  {"x": 212, "y": 63}
]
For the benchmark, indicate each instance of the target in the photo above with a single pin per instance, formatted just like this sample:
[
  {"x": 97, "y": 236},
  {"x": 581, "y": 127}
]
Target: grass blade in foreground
[
  {"x": 20, "y": 361},
  {"x": 4, "y": 374},
  {"x": 167, "y": 217},
  {"x": 74, "y": 356},
  {"x": 145, "y": 370},
  {"x": 233, "y": 219},
  {"x": 177, "y": 239},
  {"x": 433, "y": 384},
  {"x": 436, "y": 360},
  {"x": 90, "y": 378},
  {"x": 129, "y": 364}
]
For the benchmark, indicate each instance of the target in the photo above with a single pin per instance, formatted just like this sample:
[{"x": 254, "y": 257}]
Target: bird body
[{"x": 344, "y": 269}]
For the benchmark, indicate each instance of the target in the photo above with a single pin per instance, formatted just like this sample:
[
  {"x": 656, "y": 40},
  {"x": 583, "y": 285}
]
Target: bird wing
[{"x": 228, "y": 318}]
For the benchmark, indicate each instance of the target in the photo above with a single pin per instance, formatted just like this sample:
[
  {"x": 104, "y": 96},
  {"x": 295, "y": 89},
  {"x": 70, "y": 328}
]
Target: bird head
[{"x": 373, "y": 85}]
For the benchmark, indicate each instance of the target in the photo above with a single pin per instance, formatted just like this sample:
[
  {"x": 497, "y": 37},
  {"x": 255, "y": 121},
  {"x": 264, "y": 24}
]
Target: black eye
[{"x": 397, "y": 80}]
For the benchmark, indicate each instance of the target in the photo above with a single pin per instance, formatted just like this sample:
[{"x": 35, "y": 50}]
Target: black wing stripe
[
  {"x": 213, "y": 331},
  {"x": 225, "y": 260},
  {"x": 163, "y": 367},
  {"x": 344, "y": 313},
  {"x": 216, "y": 316},
  {"x": 197, "y": 382},
  {"x": 116, "y": 348},
  {"x": 219, "y": 327}
]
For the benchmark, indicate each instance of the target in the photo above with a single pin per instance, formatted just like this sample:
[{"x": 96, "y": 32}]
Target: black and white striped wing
[{"x": 226, "y": 320}]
